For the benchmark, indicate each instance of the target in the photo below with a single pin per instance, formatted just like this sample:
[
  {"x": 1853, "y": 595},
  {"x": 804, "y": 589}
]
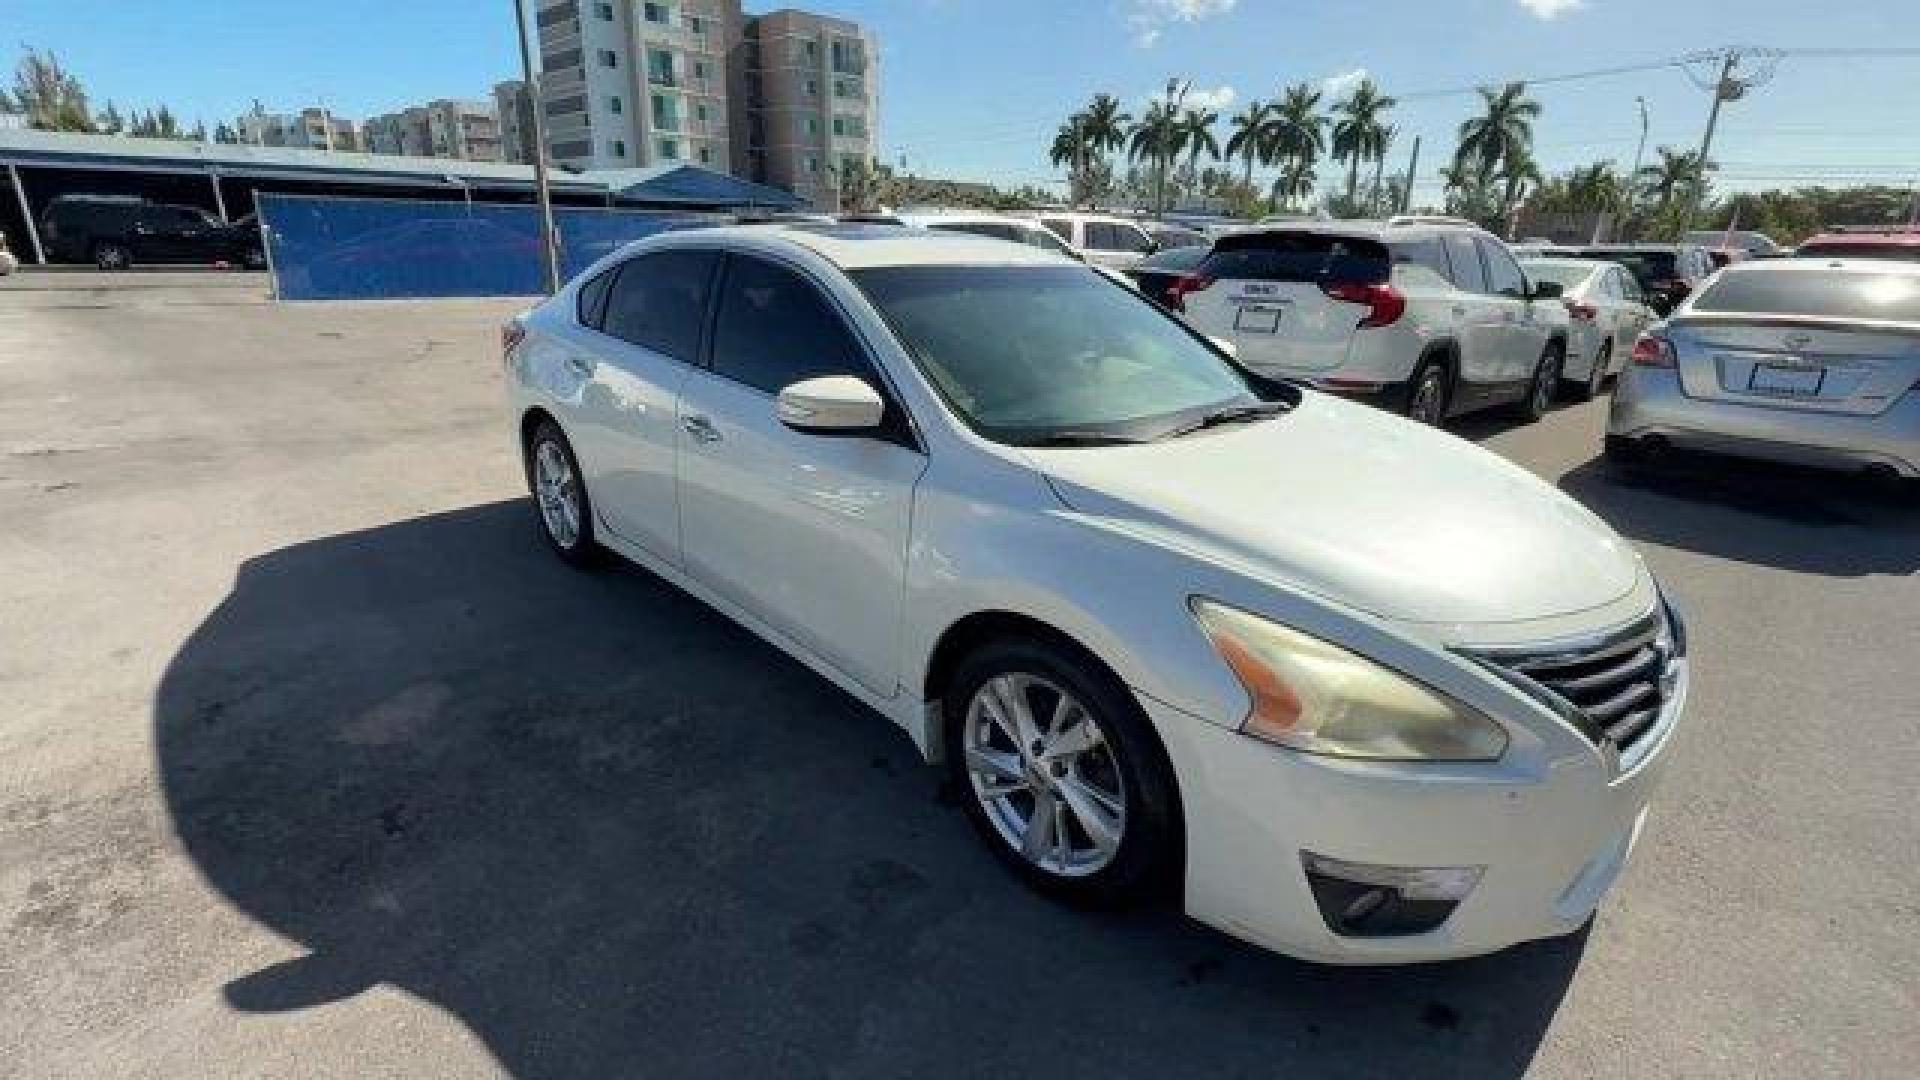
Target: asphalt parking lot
[{"x": 314, "y": 762}]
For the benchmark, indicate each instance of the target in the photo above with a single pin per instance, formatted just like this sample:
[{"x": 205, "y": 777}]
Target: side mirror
[
  {"x": 1547, "y": 290},
  {"x": 1225, "y": 346},
  {"x": 830, "y": 405}
]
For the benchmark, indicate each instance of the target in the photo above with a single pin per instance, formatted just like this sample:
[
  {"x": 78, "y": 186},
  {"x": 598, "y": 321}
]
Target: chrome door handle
[
  {"x": 700, "y": 428},
  {"x": 1459, "y": 310}
]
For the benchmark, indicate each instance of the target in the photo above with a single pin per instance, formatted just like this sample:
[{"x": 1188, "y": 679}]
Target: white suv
[
  {"x": 1106, "y": 241},
  {"x": 1427, "y": 317}
]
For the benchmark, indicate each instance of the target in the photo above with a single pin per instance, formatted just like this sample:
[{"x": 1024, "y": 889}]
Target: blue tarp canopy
[{"x": 691, "y": 186}]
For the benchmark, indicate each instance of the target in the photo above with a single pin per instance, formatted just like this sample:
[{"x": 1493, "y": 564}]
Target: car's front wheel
[
  {"x": 1546, "y": 380},
  {"x": 109, "y": 255},
  {"x": 1427, "y": 394},
  {"x": 1061, "y": 773},
  {"x": 560, "y": 495}
]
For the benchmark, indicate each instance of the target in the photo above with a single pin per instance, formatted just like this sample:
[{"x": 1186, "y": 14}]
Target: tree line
[
  {"x": 51, "y": 98},
  {"x": 1489, "y": 177}
]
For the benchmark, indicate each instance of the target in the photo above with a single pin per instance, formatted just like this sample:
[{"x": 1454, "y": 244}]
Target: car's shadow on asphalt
[
  {"x": 616, "y": 835},
  {"x": 1773, "y": 515}
]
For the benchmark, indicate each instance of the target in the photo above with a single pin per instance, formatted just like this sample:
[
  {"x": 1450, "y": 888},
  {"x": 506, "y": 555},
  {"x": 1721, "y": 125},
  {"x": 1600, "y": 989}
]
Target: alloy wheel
[
  {"x": 1429, "y": 398},
  {"x": 1545, "y": 378},
  {"x": 1042, "y": 768},
  {"x": 558, "y": 491}
]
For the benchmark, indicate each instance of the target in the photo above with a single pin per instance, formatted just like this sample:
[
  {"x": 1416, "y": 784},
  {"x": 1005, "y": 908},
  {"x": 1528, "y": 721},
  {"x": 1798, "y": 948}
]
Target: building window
[
  {"x": 813, "y": 88},
  {"x": 603, "y": 12},
  {"x": 669, "y": 149},
  {"x": 813, "y": 125},
  {"x": 613, "y": 103},
  {"x": 658, "y": 13},
  {"x": 699, "y": 69},
  {"x": 619, "y": 148},
  {"x": 608, "y": 58},
  {"x": 700, "y": 112},
  {"x": 696, "y": 24},
  {"x": 660, "y": 67},
  {"x": 706, "y": 155},
  {"x": 664, "y": 116}
]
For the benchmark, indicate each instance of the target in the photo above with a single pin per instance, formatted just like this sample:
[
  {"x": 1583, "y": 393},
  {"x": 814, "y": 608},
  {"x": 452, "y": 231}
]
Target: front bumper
[
  {"x": 1650, "y": 404},
  {"x": 1552, "y": 842}
]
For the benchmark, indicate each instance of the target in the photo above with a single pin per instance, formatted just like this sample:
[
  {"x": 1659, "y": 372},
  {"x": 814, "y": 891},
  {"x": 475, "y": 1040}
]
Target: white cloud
[
  {"x": 1199, "y": 97},
  {"x": 1146, "y": 18},
  {"x": 1551, "y": 9},
  {"x": 1336, "y": 86}
]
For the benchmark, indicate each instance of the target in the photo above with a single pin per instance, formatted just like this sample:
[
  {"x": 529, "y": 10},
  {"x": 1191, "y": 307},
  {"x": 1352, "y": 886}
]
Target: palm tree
[
  {"x": 1675, "y": 173},
  {"x": 1196, "y": 135},
  {"x": 1297, "y": 136},
  {"x": 1106, "y": 125},
  {"x": 1252, "y": 137},
  {"x": 1359, "y": 132},
  {"x": 1504, "y": 130},
  {"x": 1071, "y": 145},
  {"x": 1517, "y": 170},
  {"x": 1156, "y": 136}
]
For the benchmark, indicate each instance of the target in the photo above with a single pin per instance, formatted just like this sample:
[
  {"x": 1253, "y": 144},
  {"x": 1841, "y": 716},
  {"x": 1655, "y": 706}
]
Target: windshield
[
  {"x": 1566, "y": 274},
  {"x": 1860, "y": 250},
  {"x": 1174, "y": 260},
  {"x": 1034, "y": 354},
  {"x": 1653, "y": 269},
  {"x": 1791, "y": 290}
]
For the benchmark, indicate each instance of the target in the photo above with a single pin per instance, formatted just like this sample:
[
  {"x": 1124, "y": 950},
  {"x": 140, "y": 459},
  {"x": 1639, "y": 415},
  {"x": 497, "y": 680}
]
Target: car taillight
[
  {"x": 1583, "y": 312},
  {"x": 1184, "y": 284},
  {"x": 1385, "y": 304},
  {"x": 512, "y": 333},
  {"x": 1652, "y": 350}
]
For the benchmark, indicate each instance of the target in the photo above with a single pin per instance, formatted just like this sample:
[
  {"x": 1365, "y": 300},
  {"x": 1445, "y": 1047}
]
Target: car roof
[
  {"x": 1888, "y": 238},
  {"x": 1072, "y": 215},
  {"x": 921, "y": 220},
  {"x": 1365, "y": 228},
  {"x": 1818, "y": 265},
  {"x": 1549, "y": 260},
  {"x": 853, "y": 246}
]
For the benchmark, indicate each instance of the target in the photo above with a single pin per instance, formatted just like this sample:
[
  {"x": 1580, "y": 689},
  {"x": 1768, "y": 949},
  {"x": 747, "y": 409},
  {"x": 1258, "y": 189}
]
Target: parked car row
[
  {"x": 1351, "y": 688},
  {"x": 116, "y": 232}
]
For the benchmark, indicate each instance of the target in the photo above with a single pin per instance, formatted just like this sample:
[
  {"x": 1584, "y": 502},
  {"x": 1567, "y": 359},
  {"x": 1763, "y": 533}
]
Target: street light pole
[
  {"x": 1725, "y": 88},
  {"x": 548, "y": 242},
  {"x": 1629, "y": 201}
]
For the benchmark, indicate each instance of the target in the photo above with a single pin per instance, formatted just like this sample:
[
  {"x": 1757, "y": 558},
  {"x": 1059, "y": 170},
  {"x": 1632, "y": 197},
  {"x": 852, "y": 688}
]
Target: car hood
[{"x": 1363, "y": 507}]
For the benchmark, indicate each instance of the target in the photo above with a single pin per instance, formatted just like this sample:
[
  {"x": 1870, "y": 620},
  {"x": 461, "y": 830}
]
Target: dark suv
[{"x": 115, "y": 232}]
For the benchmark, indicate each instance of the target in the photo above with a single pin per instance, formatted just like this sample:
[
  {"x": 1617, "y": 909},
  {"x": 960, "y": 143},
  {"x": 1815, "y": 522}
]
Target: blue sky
[{"x": 973, "y": 88}]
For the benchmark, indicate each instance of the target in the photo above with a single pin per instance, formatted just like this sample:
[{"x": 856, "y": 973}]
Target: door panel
[
  {"x": 807, "y": 532},
  {"x": 635, "y": 363},
  {"x": 1482, "y": 335},
  {"x": 1523, "y": 333}
]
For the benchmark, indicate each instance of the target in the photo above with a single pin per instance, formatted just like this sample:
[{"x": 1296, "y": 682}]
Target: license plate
[
  {"x": 1257, "y": 320},
  {"x": 1786, "y": 381}
]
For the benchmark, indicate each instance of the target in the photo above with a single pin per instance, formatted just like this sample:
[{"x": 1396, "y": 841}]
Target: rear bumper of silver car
[{"x": 1649, "y": 407}]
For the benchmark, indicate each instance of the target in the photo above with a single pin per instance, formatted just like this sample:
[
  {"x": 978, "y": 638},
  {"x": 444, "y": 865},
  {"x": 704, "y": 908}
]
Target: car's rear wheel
[
  {"x": 1427, "y": 394},
  {"x": 560, "y": 496},
  {"x": 111, "y": 255},
  {"x": 1546, "y": 380},
  {"x": 1061, "y": 773}
]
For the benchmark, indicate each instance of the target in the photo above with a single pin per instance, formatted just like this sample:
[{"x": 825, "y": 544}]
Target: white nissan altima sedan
[{"x": 1359, "y": 691}]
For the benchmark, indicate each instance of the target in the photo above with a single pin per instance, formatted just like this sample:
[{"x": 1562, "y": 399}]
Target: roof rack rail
[{"x": 1430, "y": 219}]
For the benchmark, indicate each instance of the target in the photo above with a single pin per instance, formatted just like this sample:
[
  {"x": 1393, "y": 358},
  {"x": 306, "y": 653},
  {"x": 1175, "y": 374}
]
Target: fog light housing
[{"x": 1370, "y": 900}]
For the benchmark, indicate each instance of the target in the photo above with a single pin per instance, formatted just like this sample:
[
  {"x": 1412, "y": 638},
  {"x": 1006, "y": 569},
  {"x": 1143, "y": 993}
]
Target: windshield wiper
[
  {"x": 1081, "y": 438},
  {"x": 1229, "y": 414}
]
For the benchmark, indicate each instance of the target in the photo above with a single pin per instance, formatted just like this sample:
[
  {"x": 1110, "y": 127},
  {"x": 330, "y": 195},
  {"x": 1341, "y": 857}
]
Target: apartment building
[
  {"x": 406, "y": 133},
  {"x": 312, "y": 128},
  {"x": 807, "y": 103},
  {"x": 513, "y": 104},
  {"x": 465, "y": 130},
  {"x": 631, "y": 83}
]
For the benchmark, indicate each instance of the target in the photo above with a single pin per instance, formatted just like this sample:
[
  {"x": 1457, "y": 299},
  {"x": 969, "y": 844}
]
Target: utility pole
[
  {"x": 1725, "y": 88},
  {"x": 1413, "y": 167},
  {"x": 548, "y": 242},
  {"x": 1628, "y": 200}
]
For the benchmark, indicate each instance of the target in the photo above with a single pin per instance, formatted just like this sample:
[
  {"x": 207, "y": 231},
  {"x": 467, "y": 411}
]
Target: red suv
[{"x": 1899, "y": 244}]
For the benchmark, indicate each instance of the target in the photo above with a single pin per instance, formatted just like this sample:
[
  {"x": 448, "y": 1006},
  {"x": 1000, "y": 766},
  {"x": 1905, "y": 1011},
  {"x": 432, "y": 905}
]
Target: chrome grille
[{"x": 1611, "y": 688}]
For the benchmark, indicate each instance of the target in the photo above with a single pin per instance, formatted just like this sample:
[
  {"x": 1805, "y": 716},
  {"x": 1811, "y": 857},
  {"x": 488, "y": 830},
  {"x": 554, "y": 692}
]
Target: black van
[{"x": 114, "y": 232}]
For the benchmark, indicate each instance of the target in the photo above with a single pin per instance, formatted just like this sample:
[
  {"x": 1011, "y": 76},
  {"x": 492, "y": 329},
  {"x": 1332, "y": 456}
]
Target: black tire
[
  {"x": 112, "y": 255},
  {"x": 584, "y": 550},
  {"x": 1597, "y": 378},
  {"x": 1147, "y": 862},
  {"x": 1626, "y": 457},
  {"x": 1544, "y": 384},
  {"x": 1429, "y": 393},
  {"x": 254, "y": 259}
]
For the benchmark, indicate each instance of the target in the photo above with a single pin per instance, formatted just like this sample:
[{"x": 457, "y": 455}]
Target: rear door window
[
  {"x": 1422, "y": 258},
  {"x": 1464, "y": 258},
  {"x": 1503, "y": 274},
  {"x": 1108, "y": 236},
  {"x": 1298, "y": 256},
  {"x": 660, "y": 300},
  {"x": 1822, "y": 295}
]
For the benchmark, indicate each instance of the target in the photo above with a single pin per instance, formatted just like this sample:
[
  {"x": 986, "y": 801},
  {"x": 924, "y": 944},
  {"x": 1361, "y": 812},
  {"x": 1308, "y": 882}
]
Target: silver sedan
[
  {"x": 1606, "y": 313},
  {"x": 1809, "y": 361}
]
